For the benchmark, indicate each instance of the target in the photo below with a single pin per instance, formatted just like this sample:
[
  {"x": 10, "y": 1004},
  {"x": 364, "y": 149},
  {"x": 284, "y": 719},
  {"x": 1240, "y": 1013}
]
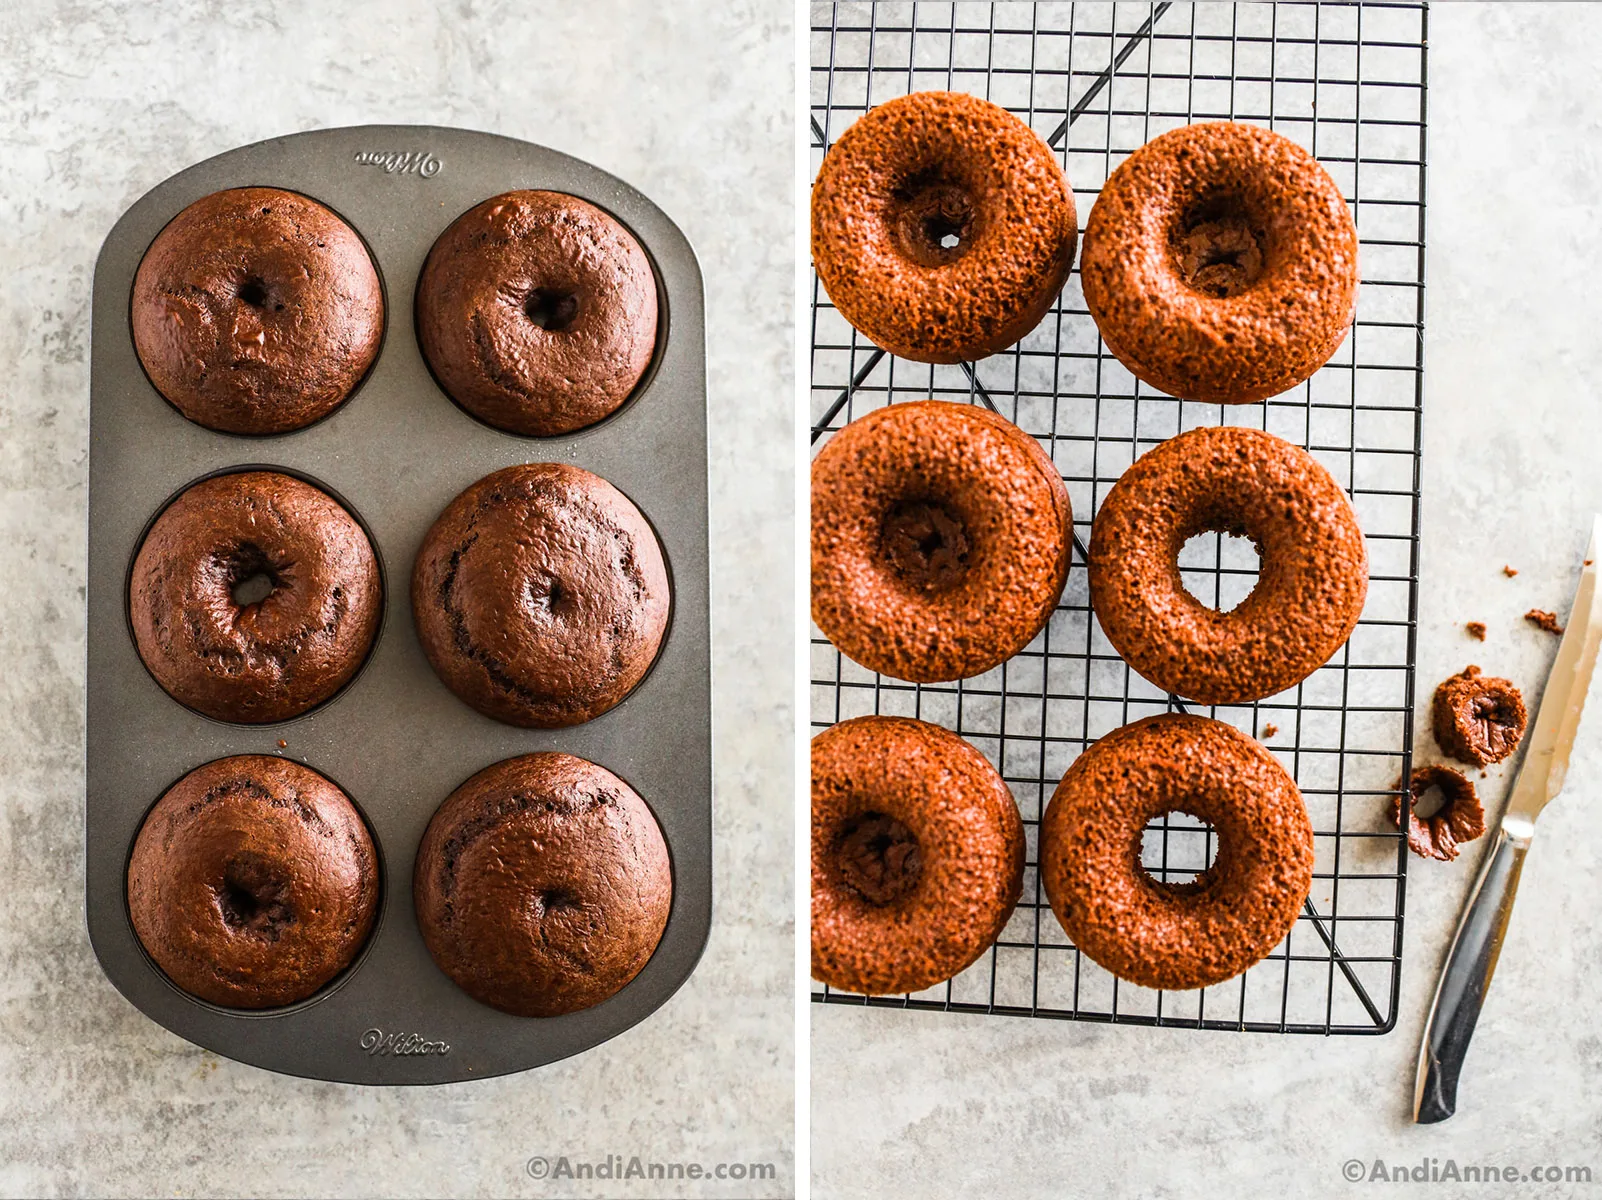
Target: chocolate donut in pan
[
  {"x": 254, "y": 597},
  {"x": 1176, "y": 935},
  {"x": 940, "y": 540},
  {"x": 942, "y": 226},
  {"x": 253, "y": 882},
  {"x": 1311, "y": 583},
  {"x": 541, "y": 596},
  {"x": 917, "y": 855},
  {"x": 256, "y": 310},
  {"x": 542, "y": 885},
  {"x": 537, "y": 312},
  {"x": 1220, "y": 263}
]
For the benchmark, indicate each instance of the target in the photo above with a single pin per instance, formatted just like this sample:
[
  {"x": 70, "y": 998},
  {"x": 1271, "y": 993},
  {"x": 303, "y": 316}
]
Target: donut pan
[{"x": 395, "y": 739}]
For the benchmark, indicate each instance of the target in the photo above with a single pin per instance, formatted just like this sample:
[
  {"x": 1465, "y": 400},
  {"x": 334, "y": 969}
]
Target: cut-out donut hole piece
[
  {"x": 933, "y": 220},
  {"x": 552, "y": 309},
  {"x": 926, "y": 544},
  {"x": 878, "y": 857},
  {"x": 1219, "y": 568},
  {"x": 1176, "y": 847},
  {"x": 1219, "y": 246}
]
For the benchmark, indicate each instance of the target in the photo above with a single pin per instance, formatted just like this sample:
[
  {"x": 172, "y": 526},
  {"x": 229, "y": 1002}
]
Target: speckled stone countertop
[
  {"x": 693, "y": 105},
  {"x": 936, "y": 1105}
]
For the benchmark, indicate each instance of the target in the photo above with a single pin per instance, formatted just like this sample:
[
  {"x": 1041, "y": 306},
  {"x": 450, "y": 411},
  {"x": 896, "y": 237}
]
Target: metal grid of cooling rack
[{"x": 1348, "y": 82}]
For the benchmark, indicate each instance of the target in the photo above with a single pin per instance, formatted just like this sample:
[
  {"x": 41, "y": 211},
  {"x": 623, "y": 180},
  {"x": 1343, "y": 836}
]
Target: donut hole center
[
  {"x": 878, "y": 857},
  {"x": 1431, "y": 800},
  {"x": 251, "y": 576},
  {"x": 555, "y": 900},
  {"x": 1219, "y": 247},
  {"x": 933, "y": 220},
  {"x": 1177, "y": 850},
  {"x": 926, "y": 545},
  {"x": 552, "y": 309},
  {"x": 254, "y": 292},
  {"x": 1219, "y": 566},
  {"x": 254, "y": 899},
  {"x": 546, "y": 594}
]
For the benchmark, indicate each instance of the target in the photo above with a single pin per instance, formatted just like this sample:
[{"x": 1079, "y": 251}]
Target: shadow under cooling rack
[{"x": 1348, "y": 82}]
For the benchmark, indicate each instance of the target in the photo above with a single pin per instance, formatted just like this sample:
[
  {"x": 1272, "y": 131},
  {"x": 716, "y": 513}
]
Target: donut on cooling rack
[
  {"x": 1311, "y": 582},
  {"x": 940, "y": 540},
  {"x": 537, "y": 312},
  {"x": 541, "y": 595},
  {"x": 942, "y": 227},
  {"x": 1220, "y": 263},
  {"x": 1176, "y": 935},
  {"x": 542, "y": 885},
  {"x": 917, "y": 855},
  {"x": 254, "y": 597},
  {"x": 253, "y": 882},
  {"x": 256, "y": 310}
]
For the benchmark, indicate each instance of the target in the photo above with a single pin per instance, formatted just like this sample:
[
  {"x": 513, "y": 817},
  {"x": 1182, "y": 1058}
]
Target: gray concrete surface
[
  {"x": 98, "y": 102},
  {"x": 938, "y": 1106}
]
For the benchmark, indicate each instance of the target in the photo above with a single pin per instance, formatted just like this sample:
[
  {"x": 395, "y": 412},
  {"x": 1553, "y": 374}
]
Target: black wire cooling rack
[{"x": 1098, "y": 80}]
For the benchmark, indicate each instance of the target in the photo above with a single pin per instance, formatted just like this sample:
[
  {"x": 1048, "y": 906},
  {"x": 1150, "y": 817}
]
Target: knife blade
[{"x": 1477, "y": 943}]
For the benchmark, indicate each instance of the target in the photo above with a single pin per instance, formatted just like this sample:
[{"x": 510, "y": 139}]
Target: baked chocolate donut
[
  {"x": 940, "y": 540},
  {"x": 540, "y": 595},
  {"x": 1176, "y": 935},
  {"x": 253, "y": 882},
  {"x": 917, "y": 855},
  {"x": 254, "y": 597},
  {"x": 1311, "y": 582},
  {"x": 537, "y": 312},
  {"x": 257, "y": 310},
  {"x": 1220, "y": 263},
  {"x": 942, "y": 227},
  {"x": 542, "y": 885}
]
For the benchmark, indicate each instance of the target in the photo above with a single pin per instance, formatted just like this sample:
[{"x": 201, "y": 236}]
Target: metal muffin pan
[{"x": 395, "y": 739}]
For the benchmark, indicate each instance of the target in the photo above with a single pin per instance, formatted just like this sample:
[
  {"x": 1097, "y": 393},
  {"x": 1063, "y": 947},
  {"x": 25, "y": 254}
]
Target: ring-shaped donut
[
  {"x": 1220, "y": 263},
  {"x": 940, "y": 540},
  {"x": 1176, "y": 935},
  {"x": 257, "y": 310},
  {"x": 917, "y": 855},
  {"x": 537, "y": 312},
  {"x": 1311, "y": 582},
  {"x": 254, "y": 597},
  {"x": 942, "y": 227}
]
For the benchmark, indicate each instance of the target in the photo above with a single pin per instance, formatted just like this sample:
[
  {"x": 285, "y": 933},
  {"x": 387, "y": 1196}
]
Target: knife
[{"x": 1478, "y": 940}]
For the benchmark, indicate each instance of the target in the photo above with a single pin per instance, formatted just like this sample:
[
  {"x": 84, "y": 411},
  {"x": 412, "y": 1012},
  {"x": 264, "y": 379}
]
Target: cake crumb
[
  {"x": 1509, "y": 572},
  {"x": 1542, "y": 619},
  {"x": 1476, "y": 630},
  {"x": 283, "y": 745},
  {"x": 1270, "y": 730}
]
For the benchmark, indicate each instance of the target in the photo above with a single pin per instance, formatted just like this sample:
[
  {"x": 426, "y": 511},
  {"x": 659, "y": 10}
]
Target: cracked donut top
[
  {"x": 537, "y": 312},
  {"x": 253, "y": 882},
  {"x": 542, "y": 885},
  {"x": 1220, "y": 263},
  {"x": 1478, "y": 718},
  {"x": 942, "y": 226},
  {"x": 254, "y": 597},
  {"x": 541, "y": 596},
  {"x": 257, "y": 310},
  {"x": 1460, "y": 817}
]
